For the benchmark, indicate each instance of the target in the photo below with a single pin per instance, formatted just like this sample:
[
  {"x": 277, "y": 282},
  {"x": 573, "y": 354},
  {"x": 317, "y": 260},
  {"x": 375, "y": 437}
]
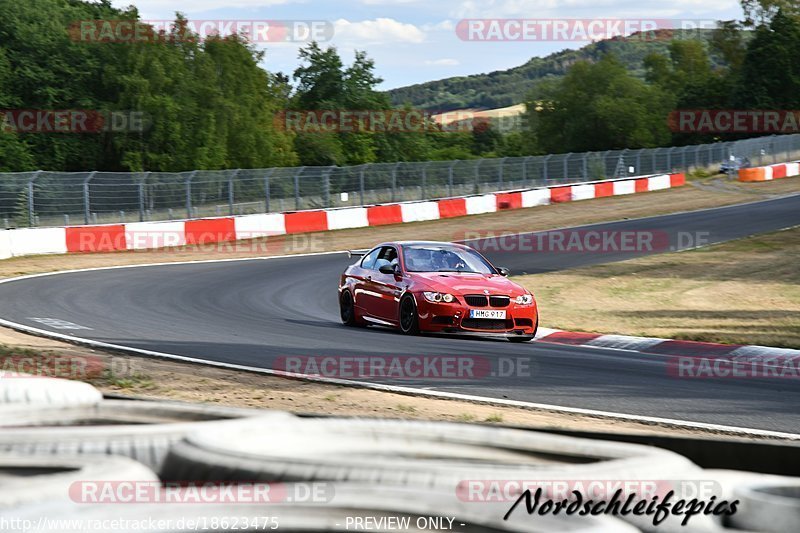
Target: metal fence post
[
  {"x": 424, "y": 180},
  {"x": 500, "y": 173},
  {"x": 297, "y": 189},
  {"x": 141, "y": 195},
  {"x": 326, "y": 186},
  {"x": 605, "y": 163},
  {"x": 450, "y": 178},
  {"x": 525, "y": 170},
  {"x": 189, "y": 193},
  {"x": 361, "y": 184},
  {"x": 86, "y": 205},
  {"x": 31, "y": 206},
  {"x": 230, "y": 190},
  {"x": 266, "y": 189},
  {"x": 585, "y": 166},
  {"x": 566, "y": 165},
  {"x": 394, "y": 180},
  {"x": 544, "y": 168},
  {"x": 478, "y": 176}
]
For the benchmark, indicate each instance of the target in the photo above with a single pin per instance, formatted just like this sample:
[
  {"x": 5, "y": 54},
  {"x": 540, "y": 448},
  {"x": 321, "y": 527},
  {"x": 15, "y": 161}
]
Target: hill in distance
[{"x": 505, "y": 88}]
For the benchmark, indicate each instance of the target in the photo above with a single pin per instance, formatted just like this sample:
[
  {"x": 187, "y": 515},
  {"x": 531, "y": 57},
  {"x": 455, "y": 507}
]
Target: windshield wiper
[{"x": 459, "y": 271}]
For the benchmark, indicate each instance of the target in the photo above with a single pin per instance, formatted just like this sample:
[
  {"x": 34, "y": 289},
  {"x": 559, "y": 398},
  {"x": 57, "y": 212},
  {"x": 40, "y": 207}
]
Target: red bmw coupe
[{"x": 436, "y": 287}]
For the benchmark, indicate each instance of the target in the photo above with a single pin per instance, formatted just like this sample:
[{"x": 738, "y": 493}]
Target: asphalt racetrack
[{"x": 254, "y": 312}]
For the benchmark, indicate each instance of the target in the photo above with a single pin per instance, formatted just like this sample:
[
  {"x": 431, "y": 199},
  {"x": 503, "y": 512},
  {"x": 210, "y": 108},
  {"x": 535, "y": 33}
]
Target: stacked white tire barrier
[
  {"x": 393, "y": 452},
  {"x": 47, "y": 480},
  {"x": 16, "y": 389},
  {"x": 415, "y": 471},
  {"x": 143, "y": 431}
]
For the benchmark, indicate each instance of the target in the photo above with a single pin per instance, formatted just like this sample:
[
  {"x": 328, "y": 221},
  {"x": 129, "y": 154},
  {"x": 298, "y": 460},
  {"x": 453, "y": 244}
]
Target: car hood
[{"x": 467, "y": 283}]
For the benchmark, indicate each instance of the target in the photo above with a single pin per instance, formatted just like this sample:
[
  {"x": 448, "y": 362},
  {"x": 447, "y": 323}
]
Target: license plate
[{"x": 487, "y": 313}]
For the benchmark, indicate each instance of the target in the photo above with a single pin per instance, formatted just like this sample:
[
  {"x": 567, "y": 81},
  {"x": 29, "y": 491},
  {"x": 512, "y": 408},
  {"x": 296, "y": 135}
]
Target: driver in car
[{"x": 449, "y": 261}]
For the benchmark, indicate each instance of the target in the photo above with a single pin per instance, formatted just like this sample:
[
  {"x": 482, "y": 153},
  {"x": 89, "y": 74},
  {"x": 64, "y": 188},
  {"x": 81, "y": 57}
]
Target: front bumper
[{"x": 454, "y": 318}]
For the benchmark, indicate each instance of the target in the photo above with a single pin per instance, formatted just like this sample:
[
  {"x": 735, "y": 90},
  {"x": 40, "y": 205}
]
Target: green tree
[
  {"x": 320, "y": 80},
  {"x": 728, "y": 41},
  {"x": 770, "y": 77},
  {"x": 485, "y": 138},
  {"x": 600, "y": 107}
]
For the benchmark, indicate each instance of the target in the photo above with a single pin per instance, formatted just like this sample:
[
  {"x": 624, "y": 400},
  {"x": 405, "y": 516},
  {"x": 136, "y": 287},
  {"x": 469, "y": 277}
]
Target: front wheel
[
  {"x": 409, "y": 321},
  {"x": 347, "y": 310}
]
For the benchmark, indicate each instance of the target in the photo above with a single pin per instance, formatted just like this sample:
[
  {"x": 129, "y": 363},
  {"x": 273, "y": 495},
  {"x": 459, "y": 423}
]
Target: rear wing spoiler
[{"x": 357, "y": 253}]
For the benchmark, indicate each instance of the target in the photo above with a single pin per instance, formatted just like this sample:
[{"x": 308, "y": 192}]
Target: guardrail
[{"x": 150, "y": 235}]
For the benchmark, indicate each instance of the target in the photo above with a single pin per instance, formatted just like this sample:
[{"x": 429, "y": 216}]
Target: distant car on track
[
  {"x": 436, "y": 287},
  {"x": 732, "y": 166}
]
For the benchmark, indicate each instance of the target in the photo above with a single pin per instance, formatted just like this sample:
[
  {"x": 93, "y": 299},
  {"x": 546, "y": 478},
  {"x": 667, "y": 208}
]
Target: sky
[{"x": 414, "y": 41}]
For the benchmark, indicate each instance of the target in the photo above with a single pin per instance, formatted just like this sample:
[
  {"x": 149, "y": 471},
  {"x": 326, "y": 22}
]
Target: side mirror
[
  {"x": 390, "y": 269},
  {"x": 504, "y": 271}
]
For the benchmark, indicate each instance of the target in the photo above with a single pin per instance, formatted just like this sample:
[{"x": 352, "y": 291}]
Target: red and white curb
[
  {"x": 658, "y": 346},
  {"x": 153, "y": 235}
]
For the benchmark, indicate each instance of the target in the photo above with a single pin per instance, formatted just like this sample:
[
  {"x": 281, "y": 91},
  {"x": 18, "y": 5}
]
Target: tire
[
  {"x": 407, "y": 315},
  {"x": 349, "y": 503},
  {"x": 767, "y": 505},
  {"x": 347, "y": 310},
  {"x": 733, "y": 485},
  {"x": 429, "y": 454},
  {"x": 521, "y": 338},
  {"x": 48, "y": 479},
  {"x": 16, "y": 389},
  {"x": 141, "y": 430}
]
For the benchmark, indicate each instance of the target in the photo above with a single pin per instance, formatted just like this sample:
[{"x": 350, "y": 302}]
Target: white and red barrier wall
[
  {"x": 770, "y": 172},
  {"x": 151, "y": 235}
]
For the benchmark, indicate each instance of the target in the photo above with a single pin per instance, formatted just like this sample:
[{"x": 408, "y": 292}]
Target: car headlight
[
  {"x": 437, "y": 297},
  {"x": 525, "y": 299}
]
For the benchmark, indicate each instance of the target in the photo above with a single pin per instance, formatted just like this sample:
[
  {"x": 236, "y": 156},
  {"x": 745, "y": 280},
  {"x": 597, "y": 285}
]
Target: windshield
[{"x": 445, "y": 259}]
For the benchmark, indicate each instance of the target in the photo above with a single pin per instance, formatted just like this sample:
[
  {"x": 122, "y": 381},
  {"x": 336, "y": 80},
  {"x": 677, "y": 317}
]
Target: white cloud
[
  {"x": 444, "y": 62},
  {"x": 388, "y": 2},
  {"x": 167, "y": 8},
  {"x": 377, "y": 31},
  {"x": 445, "y": 25},
  {"x": 594, "y": 8}
]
